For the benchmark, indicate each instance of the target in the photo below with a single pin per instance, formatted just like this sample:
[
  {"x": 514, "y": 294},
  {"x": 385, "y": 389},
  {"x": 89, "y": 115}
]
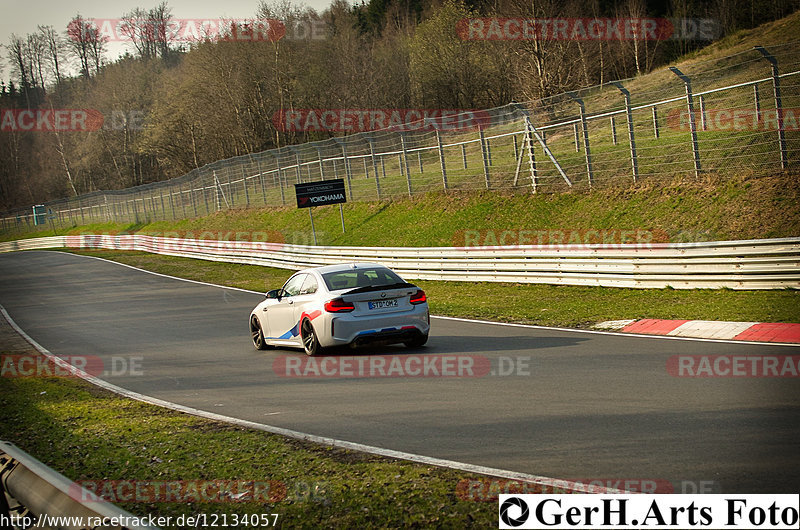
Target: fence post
[
  {"x": 202, "y": 191},
  {"x": 703, "y": 121},
  {"x": 369, "y": 140},
  {"x": 631, "y": 139},
  {"x": 531, "y": 156},
  {"x": 280, "y": 179},
  {"x": 194, "y": 200},
  {"x": 172, "y": 203},
  {"x": 244, "y": 182},
  {"x": 183, "y": 203},
  {"x": 516, "y": 147},
  {"x": 655, "y": 123},
  {"x": 441, "y": 159},
  {"x": 321, "y": 168},
  {"x": 405, "y": 162},
  {"x": 485, "y": 157},
  {"x": 692, "y": 124},
  {"x": 80, "y": 207},
  {"x": 347, "y": 170},
  {"x": 261, "y": 180},
  {"x": 776, "y": 86},
  {"x": 586, "y": 150},
  {"x": 757, "y": 102},
  {"x": 576, "y": 138},
  {"x": 464, "y": 154},
  {"x": 230, "y": 190},
  {"x": 613, "y": 130}
]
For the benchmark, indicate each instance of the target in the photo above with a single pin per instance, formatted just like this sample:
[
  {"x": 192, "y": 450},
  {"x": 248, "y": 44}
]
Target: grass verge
[
  {"x": 546, "y": 305},
  {"x": 89, "y": 434}
]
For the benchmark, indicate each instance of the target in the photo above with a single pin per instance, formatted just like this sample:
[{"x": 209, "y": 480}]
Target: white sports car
[{"x": 353, "y": 304}]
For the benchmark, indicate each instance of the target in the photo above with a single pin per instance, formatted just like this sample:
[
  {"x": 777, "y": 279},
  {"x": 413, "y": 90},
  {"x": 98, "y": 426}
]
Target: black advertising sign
[{"x": 320, "y": 193}]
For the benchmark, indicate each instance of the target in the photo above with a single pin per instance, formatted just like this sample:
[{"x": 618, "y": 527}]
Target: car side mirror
[{"x": 275, "y": 293}]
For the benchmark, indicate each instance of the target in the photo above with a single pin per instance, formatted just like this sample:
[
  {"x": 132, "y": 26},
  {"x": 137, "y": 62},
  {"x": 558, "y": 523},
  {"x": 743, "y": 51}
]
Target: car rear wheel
[
  {"x": 416, "y": 342},
  {"x": 257, "y": 334},
  {"x": 310, "y": 341}
]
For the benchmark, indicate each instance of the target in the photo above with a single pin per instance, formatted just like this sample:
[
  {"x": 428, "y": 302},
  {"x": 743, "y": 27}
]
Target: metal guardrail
[
  {"x": 29, "y": 489},
  {"x": 747, "y": 264}
]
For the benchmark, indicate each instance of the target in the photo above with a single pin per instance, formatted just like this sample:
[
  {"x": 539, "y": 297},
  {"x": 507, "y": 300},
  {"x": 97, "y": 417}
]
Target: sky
[{"x": 21, "y": 17}]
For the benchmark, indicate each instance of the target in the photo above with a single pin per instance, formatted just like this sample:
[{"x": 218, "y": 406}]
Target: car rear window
[{"x": 353, "y": 278}]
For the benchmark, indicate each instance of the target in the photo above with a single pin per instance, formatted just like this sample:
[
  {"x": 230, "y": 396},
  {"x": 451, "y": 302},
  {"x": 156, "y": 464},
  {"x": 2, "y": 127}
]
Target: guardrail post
[
  {"x": 404, "y": 159},
  {"x": 485, "y": 157},
  {"x": 586, "y": 149},
  {"x": 631, "y": 139},
  {"x": 776, "y": 87},
  {"x": 441, "y": 158},
  {"x": 692, "y": 123}
]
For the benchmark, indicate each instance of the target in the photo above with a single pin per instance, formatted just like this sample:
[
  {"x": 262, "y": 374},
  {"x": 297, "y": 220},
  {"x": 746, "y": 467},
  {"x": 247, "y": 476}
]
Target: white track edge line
[
  {"x": 556, "y": 484},
  {"x": 474, "y": 321}
]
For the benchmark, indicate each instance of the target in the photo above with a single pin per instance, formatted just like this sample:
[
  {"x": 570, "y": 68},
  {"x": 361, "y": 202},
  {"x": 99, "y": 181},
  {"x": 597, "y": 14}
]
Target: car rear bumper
[{"x": 390, "y": 328}]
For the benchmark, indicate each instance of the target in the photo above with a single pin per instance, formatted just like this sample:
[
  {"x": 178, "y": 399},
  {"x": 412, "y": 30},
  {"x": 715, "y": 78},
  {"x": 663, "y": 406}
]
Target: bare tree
[
  {"x": 54, "y": 45},
  {"x": 86, "y": 44},
  {"x": 148, "y": 30}
]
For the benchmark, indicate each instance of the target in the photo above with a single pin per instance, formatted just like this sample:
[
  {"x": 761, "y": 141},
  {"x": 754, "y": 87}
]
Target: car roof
[{"x": 339, "y": 267}]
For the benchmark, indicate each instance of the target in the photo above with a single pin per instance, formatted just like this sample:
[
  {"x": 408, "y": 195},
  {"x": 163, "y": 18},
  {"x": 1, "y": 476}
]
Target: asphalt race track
[{"x": 594, "y": 406}]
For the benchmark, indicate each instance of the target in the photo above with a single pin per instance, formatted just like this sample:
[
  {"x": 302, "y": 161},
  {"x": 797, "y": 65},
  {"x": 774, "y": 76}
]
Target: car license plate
[{"x": 380, "y": 304}]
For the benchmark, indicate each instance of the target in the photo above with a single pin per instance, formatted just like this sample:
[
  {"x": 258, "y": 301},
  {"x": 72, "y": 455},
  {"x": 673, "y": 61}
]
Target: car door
[
  {"x": 305, "y": 304},
  {"x": 280, "y": 315}
]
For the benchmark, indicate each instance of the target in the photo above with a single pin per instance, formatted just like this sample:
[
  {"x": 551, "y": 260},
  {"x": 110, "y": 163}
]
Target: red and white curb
[{"x": 709, "y": 329}]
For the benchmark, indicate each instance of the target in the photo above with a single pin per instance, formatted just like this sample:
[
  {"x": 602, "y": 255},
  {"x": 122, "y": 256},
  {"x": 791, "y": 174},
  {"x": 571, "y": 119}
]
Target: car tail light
[
  {"x": 418, "y": 297},
  {"x": 337, "y": 305}
]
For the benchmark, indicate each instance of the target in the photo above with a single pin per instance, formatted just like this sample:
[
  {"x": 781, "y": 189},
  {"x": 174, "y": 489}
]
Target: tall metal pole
[
  {"x": 776, "y": 86},
  {"x": 692, "y": 122},
  {"x": 631, "y": 139}
]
